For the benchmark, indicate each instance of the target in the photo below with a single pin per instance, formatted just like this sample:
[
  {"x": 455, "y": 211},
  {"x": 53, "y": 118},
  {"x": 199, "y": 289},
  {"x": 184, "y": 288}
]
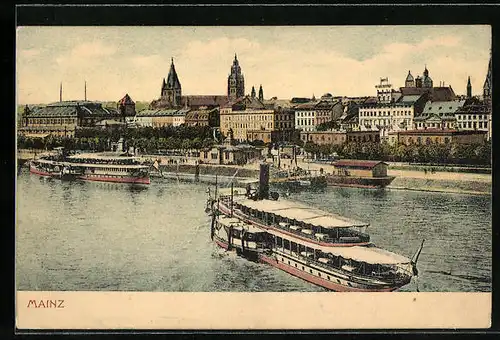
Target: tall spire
[
  {"x": 253, "y": 92},
  {"x": 85, "y": 91},
  {"x": 261, "y": 93},
  {"x": 60, "y": 92},
  {"x": 469, "y": 88}
]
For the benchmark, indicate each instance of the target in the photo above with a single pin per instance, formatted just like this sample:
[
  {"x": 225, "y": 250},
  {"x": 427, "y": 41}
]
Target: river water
[{"x": 113, "y": 237}]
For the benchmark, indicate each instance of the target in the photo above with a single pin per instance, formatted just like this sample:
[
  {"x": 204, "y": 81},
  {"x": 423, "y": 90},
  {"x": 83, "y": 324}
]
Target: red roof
[{"x": 357, "y": 163}]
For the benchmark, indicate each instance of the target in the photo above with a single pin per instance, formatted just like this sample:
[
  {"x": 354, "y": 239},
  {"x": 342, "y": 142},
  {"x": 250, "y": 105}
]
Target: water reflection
[{"x": 120, "y": 237}]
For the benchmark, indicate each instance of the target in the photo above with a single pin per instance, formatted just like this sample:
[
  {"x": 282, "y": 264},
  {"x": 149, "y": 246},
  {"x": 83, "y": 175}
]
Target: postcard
[{"x": 253, "y": 177}]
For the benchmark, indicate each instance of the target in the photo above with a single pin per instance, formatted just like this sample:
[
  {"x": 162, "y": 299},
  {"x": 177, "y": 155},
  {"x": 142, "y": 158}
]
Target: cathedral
[
  {"x": 235, "y": 81},
  {"x": 171, "y": 89},
  {"x": 424, "y": 81}
]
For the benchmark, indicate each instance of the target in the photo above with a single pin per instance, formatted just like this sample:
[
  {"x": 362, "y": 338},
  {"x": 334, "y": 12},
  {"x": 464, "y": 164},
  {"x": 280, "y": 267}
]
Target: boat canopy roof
[
  {"x": 111, "y": 156},
  {"x": 368, "y": 254},
  {"x": 302, "y": 213}
]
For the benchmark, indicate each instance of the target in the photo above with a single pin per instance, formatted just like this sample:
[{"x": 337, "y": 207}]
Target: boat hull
[
  {"x": 359, "y": 182},
  {"x": 124, "y": 179},
  {"x": 319, "y": 281},
  {"x": 93, "y": 178}
]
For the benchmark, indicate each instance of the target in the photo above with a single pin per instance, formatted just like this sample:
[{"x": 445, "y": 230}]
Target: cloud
[
  {"x": 86, "y": 53},
  {"x": 29, "y": 53}
]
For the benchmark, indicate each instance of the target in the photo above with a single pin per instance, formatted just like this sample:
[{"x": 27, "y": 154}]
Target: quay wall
[
  {"x": 442, "y": 185},
  {"x": 210, "y": 170}
]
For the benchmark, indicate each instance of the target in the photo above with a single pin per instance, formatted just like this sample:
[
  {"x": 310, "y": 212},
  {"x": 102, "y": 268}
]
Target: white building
[
  {"x": 309, "y": 115},
  {"x": 474, "y": 117}
]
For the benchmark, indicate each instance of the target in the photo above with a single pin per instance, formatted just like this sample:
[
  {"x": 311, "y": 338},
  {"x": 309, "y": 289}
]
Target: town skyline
[{"x": 287, "y": 63}]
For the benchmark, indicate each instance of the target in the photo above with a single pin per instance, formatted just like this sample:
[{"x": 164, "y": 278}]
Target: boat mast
[{"x": 232, "y": 199}]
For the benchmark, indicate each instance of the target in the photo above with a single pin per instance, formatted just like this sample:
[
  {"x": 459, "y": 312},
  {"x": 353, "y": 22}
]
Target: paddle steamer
[
  {"x": 322, "y": 248},
  {"x": 100, "y": 167}
]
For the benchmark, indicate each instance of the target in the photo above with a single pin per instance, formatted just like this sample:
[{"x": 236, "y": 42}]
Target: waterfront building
[
  {"x": 438, "y": 114},
  {"x": 64, "y": 118},
  {"x": 362, "y": 168},
  {"x": 309, "y": 115},
  {"x": 385, "y": 93},
  {"x": 474, "y": 115},
  {"x": 360, "y": 136},
  {"x": 126, "y": 106},
  {"x": 235, "y": 81},
  {"x": 249, "y": 119},
  {"x": 203, "y": 117},
  {"x": 161, "y": 117},
  {"x": 229, "y": 154},
  {"x": 388, "y": 117},
  {"x": 438, "y": 136},
  {"x": 324, "y": 137}
]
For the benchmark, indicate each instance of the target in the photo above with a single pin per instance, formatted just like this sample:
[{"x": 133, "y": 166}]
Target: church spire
[
  {"x": 261, "y": 93},
  {"x": 469, "y": 88},
  {"x": 253, "y": 92}
]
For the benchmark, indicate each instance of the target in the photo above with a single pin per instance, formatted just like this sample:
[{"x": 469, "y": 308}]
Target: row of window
[
  {"x": 306, "y": 121},
  {"x": 374, "y": 113},
  {"x": 52, "y": 121},
  {"x": 473, "y": 125},
  {"x": 317, "y": 272},
  {"x": 472, "y": 117}
]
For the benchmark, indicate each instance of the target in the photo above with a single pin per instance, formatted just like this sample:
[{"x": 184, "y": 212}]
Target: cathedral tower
[
  {"x": 171, "y": 89},
  {"x": 261, "y": 94},
  {"x": 487, "y": 83},
  {"x": 469, "y": 88},
  {"x": 253, "y": 92},
  {"x": 235, "y": 81},
  {"x": 410, "y": 81}
]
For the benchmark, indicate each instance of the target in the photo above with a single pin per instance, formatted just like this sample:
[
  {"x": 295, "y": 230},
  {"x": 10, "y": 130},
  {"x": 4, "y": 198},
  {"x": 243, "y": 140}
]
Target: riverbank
[
  {"x": 438, "y": 181},
  {"x": 449, "y": 182}
]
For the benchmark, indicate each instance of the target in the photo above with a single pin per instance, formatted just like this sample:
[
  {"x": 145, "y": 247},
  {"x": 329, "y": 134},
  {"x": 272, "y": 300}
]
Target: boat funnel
[{"x": 264, "y": 181}]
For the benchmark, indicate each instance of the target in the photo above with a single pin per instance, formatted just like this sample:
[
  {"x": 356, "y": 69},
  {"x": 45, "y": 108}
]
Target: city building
[
  {"x": 64, "y": 118},
  {"x": 438, "y": 136},
  {"x": 235, "y": 81},
  {"x": 324, "y": 137},
  {"x": 203, "y": 117},
  {"x": 475, "y": 115},
  {"x": 229, "y": 154},
  {"x": 438, "y": 114},
  {"x": 161, "y": 117},
  {"x": 249, "y": 119},
  {"x": 385, "y": 93},
  {"x": 311, "y": 114},
  {"x": 126, "y": 106}
]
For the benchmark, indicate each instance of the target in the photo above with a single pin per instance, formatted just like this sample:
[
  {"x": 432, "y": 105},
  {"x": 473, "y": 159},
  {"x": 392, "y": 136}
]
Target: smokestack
[
  {"x": 60, "y": 92},
  {"x": 264, "y": 181},
  {"x": 85, "y": 90}
]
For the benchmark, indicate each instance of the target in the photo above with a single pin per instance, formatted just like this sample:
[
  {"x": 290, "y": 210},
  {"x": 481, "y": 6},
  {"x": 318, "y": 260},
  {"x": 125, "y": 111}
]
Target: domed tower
[
  {"x": 235, "y": 81},
  {"x": 410, "y": 81},
  {"x": 171, "y": 89},
  {"x": 426, "y": 80}
]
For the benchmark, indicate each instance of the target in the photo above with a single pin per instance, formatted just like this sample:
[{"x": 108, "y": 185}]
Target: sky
[{"x": 288, "y": 61}]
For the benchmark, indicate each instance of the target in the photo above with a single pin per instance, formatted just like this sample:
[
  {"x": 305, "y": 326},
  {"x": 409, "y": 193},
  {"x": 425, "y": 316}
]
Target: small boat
[{"x": 325, "y": 249}]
